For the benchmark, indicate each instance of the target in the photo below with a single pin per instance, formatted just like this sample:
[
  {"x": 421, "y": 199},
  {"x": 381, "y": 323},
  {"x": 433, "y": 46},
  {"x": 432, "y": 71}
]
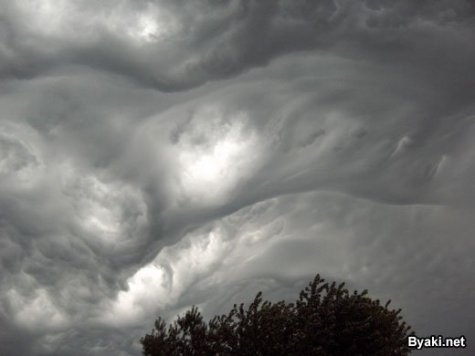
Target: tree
[{"x": 326, "y": 320}]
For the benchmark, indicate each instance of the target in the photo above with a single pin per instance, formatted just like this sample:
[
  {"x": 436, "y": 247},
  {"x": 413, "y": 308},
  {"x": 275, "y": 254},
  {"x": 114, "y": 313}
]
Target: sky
[{"x": 159, "y": 154}]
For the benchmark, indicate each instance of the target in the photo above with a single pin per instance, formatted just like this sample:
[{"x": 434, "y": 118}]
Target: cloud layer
[{"x": 159, "y": 154}]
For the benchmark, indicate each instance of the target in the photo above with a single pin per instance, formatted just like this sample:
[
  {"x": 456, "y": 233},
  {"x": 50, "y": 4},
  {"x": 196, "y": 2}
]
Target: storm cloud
[{"x": 160, "y": 154}]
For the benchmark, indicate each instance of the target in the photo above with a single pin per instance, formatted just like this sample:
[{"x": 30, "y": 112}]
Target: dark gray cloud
[
  {"x": 159, "y": 154},
  {"x": 192, "y": 43}
]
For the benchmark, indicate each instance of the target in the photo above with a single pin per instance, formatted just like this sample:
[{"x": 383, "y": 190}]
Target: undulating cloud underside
[{"x": 160, "y": 154}]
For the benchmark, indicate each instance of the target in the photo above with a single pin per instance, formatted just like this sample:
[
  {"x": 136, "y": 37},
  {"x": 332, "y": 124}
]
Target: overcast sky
[{"x": 160, "y": 154}]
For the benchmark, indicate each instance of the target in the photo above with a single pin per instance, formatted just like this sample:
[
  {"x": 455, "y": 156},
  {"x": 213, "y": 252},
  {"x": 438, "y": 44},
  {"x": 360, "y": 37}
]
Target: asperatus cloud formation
[{"x": 160, "y": 154}]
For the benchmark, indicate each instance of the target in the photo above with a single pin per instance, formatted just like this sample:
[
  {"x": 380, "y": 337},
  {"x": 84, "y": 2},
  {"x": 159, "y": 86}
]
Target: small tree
[{"x": 326, "y": 320}]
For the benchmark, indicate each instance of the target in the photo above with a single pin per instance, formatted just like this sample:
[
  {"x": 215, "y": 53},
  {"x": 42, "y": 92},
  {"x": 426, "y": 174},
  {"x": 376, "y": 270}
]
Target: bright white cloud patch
[
  {"x": 148, "y": 286},
  {"x": 161, "y": 283},
  {"x": 215, "y": 153},
  {"x": 152, "y": 25}
]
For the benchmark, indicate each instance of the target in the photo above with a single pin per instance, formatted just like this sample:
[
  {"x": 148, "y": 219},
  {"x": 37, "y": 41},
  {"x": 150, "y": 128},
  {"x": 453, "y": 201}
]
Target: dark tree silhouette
[{"x": 326, "y": 320}]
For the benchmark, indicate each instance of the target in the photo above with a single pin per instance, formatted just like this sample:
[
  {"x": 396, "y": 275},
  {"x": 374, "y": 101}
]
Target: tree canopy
[{"x": 325, "y": 320}]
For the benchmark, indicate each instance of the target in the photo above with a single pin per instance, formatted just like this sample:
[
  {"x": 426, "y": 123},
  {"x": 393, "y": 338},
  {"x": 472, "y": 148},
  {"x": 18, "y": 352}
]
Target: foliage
[{"x": 326, "y": 320}]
